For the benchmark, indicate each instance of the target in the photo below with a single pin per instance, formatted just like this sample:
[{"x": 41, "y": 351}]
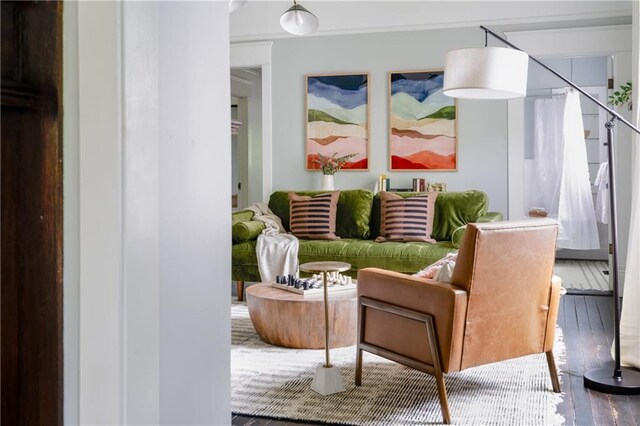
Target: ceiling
[{"x": 259, "y": 20}]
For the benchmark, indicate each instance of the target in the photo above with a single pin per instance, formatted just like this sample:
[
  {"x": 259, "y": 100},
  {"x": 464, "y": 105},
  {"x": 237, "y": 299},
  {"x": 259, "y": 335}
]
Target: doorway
[
  {"x": 592, "y": 74},
  {"x": 247, "y": 139},
  {"x": 239, "y": 153}
]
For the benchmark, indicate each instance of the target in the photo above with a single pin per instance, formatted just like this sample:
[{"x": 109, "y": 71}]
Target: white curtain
[
  {"x": 630, "y": 318},
  {"x": 561, "y": 171}
]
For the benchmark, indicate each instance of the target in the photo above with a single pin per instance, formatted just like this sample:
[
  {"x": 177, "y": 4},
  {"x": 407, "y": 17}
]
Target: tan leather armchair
[{"x": 502, "y": 304}]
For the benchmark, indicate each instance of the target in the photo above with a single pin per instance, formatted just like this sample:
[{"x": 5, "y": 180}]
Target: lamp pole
[{"x": 621, "y": 380}]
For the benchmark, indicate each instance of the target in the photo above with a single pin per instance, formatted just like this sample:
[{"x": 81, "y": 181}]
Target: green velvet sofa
[{"x": 358, "y": 225}]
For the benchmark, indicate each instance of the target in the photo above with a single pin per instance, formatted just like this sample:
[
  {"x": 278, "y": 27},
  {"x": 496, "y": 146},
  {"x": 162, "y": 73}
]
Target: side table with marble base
[{"x": 328, "y": 379}]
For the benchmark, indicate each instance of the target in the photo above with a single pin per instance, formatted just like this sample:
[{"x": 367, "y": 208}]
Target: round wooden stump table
[{"x": 292, "y": 320}]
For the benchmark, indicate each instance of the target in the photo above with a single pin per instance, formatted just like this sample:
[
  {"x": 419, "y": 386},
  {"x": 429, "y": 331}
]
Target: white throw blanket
[
  {"x": 277, "y": 251},
  {"x": 263, "y": 213},
  {"x": 277, "y": 255}
]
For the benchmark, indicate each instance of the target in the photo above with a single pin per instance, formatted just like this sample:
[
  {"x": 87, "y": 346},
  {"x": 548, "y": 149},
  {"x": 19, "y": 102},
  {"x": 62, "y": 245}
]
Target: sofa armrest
[
  {"x": 491, "y": 217},
  {"x": 247, "y": 230},
  {"x": 241, "y": 216},
  {"x": 445, "y": 302},
  {"x": 457, "y": 234}
]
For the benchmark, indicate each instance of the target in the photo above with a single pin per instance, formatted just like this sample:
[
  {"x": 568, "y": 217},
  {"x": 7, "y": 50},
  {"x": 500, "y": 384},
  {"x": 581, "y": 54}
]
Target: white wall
[
  {"x": 147, "y": 327},
  {"x": 141, "y": 212},
  {"x": 195, "y": 226},
  {"x": 482, "y": 125},
  {"x": 101, "y": 248}
]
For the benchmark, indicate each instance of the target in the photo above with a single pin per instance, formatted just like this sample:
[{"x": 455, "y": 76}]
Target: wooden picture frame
[
  {"x": 422, "y": 123},
  {"x": 337, "y": 118}
]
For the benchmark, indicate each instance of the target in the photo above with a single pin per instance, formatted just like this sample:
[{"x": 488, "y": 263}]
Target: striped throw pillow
[
  {"x": 314, "y": 217},
  {"x": 406, "y": 219}
]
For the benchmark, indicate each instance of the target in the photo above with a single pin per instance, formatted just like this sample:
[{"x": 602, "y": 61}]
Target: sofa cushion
[
  {"x": 452, "y": 210},
  {"x": 406, "y": 219},
  {"x": 313, "y": 217},
  {"x": 407, "y": 258},
  {"x": 353, "y": 215}
]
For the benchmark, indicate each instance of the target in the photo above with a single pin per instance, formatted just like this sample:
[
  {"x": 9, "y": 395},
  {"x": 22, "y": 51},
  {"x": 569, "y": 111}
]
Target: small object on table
[
  {"x": 538, "y": 212},
  {"x": 437, "y": 187},
  {"x": 328, "y": 379}
]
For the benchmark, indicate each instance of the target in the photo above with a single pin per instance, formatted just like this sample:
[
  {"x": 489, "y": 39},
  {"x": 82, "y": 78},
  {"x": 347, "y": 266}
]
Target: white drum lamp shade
[
  {"x": 298, "y": 21},
  {"x": 486, "y": 73}
]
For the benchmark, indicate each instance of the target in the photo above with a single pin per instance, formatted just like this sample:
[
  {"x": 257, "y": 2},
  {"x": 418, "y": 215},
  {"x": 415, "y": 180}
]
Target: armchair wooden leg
[
  {"x": 437, "y": 370},
  {"x": 360, "y": 339},
  {"x": 359, "y": 367},
  {"x": 444, "y": 402},
  {"x": 553, "y": 371},
  {"x": 240, "y": 290}
]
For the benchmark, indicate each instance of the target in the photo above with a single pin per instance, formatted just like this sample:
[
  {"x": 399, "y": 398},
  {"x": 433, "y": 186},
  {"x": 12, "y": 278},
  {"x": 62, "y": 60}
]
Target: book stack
[
  {"x": 384, "y": 183},
  {"x": 419, "y": 185}
]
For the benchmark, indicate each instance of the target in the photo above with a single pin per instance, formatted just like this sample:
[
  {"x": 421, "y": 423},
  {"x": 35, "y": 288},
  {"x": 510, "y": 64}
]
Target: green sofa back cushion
[
  {"x": 353, "y": 216},
  {"x": 453, "y": 209}
]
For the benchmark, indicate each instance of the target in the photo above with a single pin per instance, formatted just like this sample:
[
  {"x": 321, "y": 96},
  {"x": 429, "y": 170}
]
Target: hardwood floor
[{"x": 587, "y": 325}]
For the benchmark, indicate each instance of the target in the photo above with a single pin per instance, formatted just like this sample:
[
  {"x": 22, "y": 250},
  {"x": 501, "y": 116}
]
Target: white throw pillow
[
  {"x": 445, "y": 273},
  {"x": 432, "y": 270}
]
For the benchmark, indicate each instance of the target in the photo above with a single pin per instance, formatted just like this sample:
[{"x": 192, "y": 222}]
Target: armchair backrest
[{"x": 506, "y": 269}]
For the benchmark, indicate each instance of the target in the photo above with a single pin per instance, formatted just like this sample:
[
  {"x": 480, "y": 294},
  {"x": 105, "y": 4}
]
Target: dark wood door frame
[{"x": 31, "y": 197}]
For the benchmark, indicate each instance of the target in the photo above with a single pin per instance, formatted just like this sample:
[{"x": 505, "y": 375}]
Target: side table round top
[{"x": 326, "y": 266}]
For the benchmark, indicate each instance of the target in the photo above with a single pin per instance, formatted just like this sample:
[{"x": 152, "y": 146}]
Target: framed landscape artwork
[
  {"x": 337, "y": 119},
  {"x": 422, "y": 123}
]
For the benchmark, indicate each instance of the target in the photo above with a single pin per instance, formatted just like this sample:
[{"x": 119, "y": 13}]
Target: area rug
[
  {"x": 274, "y": 382},
  {"x": 584, "y": 275}
]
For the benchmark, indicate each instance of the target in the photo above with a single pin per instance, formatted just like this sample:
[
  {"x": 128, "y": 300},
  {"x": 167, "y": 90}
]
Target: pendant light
[
  {"x": 235, "y": 5},
  {"x": 298, "y": 20}
]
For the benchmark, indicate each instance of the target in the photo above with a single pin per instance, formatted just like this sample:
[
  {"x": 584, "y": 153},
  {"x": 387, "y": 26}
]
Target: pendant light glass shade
[
  {"x": 486, "y": 73},
  {"x": 298, "y": 20},
  {"x": 235, "y": 5}
]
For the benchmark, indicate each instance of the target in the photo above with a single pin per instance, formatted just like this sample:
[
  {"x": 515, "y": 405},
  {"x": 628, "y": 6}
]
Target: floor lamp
[{"x": 501, "y": 73}]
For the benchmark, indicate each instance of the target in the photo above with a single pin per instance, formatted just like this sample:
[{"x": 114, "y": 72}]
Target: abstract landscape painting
[
  {"x": 337, "y": 111},
  {"x": 422, "y": 123}
]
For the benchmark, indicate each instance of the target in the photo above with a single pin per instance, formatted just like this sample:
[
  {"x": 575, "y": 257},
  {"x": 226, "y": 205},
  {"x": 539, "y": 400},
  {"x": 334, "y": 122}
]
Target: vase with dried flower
[{"x": 329, "y": 165}]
